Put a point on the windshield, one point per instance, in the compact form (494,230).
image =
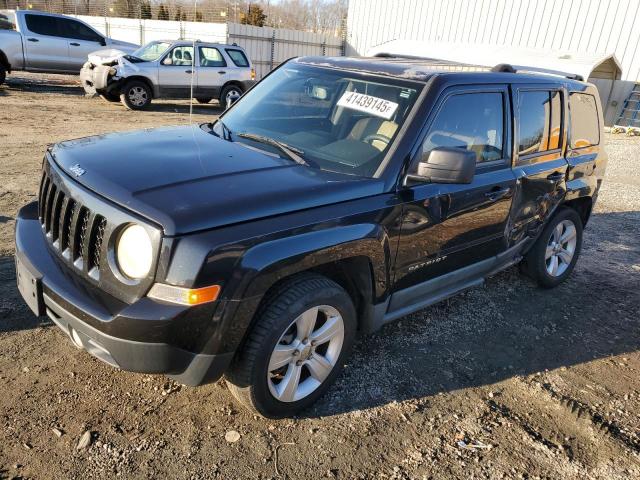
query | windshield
(334,120)
(151,51)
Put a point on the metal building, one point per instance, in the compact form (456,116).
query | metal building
(595,27)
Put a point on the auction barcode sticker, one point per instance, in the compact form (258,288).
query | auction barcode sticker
(368,104)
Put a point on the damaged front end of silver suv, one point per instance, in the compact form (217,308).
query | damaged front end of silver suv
(104,73)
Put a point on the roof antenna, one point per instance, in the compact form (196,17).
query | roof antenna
(193,65)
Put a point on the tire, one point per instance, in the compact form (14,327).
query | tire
(136,95)
(110,97)
(227,93)
(547,253)
(281,323)
(3,75)
(203,100)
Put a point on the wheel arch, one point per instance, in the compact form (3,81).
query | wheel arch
(583,207)
(236,83)
(4,61)
(143,79)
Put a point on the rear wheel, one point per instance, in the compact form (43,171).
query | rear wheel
(136,95)
(554,255)
(230,94)
(3,74)
(296,349)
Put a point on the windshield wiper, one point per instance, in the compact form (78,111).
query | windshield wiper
(291,152)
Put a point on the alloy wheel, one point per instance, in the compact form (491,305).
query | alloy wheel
(305,354)
(138,96)
(561,248)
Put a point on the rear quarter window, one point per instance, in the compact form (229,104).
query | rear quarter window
(583,118)
(238,57)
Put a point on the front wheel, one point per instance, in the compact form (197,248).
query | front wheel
(203,100)
(554,255)
(136,95)
(296,349)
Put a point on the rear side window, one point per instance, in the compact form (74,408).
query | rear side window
(42,25)
(472,121)
(238,57)
(585,126)
(79,31)
(7,21)
(540,122)
(211,57)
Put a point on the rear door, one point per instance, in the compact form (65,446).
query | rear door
(45,49)
(539,164)
(175,72)
(212,72)
(448,227)
(81,41)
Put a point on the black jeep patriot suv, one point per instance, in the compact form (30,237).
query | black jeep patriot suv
(335,196)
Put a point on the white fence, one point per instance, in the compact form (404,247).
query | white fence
(267,47)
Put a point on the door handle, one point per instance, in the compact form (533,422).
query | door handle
(188,71)
(222,72)
(33,39)
(75,44)
(555,176)
(497,194)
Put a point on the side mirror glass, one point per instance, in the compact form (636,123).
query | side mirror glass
(445,165)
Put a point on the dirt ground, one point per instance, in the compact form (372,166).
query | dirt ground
(503,381)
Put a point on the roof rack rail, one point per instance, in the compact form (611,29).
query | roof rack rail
(508,68)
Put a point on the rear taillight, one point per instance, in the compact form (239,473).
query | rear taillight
(253,74)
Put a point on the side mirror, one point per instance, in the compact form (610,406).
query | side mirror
(445,165)
(103,41)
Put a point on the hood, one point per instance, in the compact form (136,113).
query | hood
(108,55)
(187,180)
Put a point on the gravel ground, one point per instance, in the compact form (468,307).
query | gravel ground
(503,381)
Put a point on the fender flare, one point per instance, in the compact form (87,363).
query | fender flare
(267,263)
(4,62)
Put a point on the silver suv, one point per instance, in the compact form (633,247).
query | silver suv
(169,69)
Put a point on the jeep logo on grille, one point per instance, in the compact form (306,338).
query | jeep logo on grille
(77,170)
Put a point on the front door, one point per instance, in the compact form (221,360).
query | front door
(540,166)
(81,41)
(447,227)
(175,73)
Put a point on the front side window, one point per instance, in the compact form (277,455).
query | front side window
(211,57)
(238,57)
(42,25)
(539,122)
(470,121)
(179,56)
(334,119)
(76,30)
(585,126)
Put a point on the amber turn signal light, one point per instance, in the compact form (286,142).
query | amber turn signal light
(184,296)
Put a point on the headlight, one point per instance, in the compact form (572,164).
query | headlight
(134,252)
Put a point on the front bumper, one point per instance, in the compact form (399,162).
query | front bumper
(95,79)
(94,324)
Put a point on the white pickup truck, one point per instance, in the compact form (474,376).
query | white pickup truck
(46,42)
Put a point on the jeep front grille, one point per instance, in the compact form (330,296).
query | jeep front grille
(72,229)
